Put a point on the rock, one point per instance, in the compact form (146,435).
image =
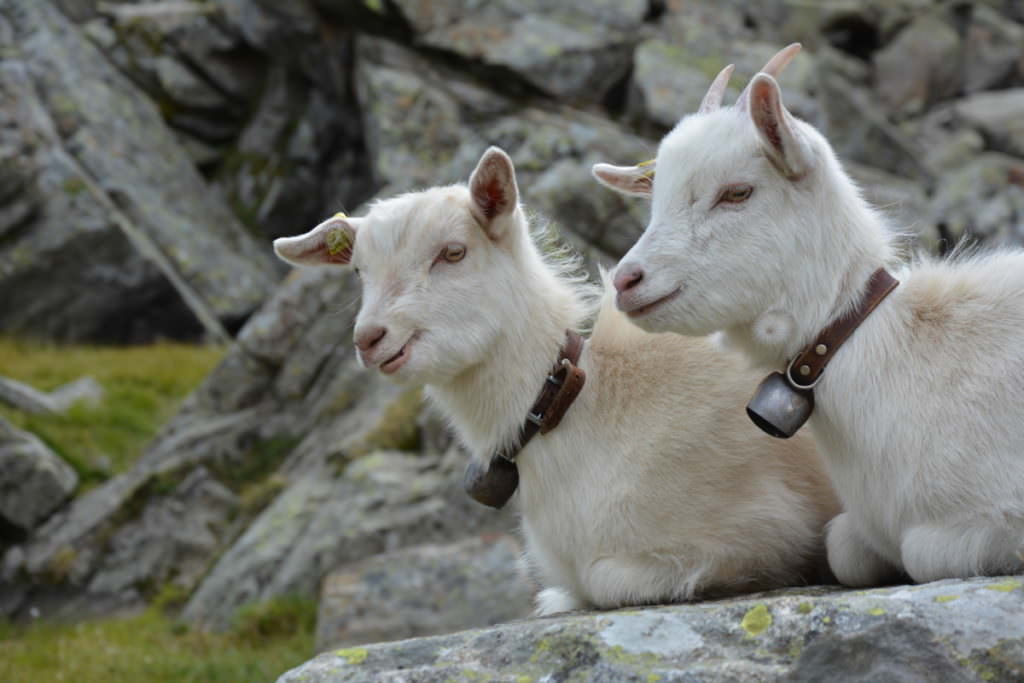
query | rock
(858,130)
(999,116)
(141,244)
(902,201)
(383,501)
(982,200)
(423,590)
(25,398)
(574,50)
(34,481)
(993,50)
(948,630)
(173,539)
(671,78)
(919,67)
(30,400)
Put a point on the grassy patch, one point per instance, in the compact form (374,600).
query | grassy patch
(154,648)
(144,386)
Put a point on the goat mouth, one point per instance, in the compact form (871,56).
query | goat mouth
(395,362)
(647,308)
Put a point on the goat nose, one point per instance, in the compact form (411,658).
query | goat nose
(628,276)
(367,338)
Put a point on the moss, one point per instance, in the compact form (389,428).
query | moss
(266,621)
(255,497)
(255,465)
(804,608)
(757,620)
(147,647)
(74,186)
(60,564)
(1005,586)
(143,385)
(876,611)
(397,428)
(353,655)
(170,597)
(946,598)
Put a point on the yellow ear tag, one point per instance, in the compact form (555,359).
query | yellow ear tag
(648,173)
(338,239)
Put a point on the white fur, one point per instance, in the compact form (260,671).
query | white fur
(920,416)
(654,487)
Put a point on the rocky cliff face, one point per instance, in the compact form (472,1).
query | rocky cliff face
(149,151)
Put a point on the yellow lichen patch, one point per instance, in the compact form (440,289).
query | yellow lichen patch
(826,620)
(353,655)
(876,611)
(757,620)
(946,598)
(524,679)
(1005,586)
(804,608)
(653,678)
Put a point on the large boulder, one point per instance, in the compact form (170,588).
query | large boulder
(424,590)
(97,189)
(34,481)
(949,630)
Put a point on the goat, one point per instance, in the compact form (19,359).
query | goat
(756,231)
(651,489)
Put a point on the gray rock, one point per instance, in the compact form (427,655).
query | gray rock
(147,236)
(671,78)
(384,501)
(999,116)
(575,50)
(993,49)
(919,67)
(982,200)
(34,481)
(423,590)
(949,630)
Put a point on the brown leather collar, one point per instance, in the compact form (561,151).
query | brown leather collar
(494,485)
(805,369)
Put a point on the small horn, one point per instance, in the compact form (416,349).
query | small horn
(713,99)
(773,68)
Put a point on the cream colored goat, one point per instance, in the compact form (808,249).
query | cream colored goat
(654,488)
(756,230)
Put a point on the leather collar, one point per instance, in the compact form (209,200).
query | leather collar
(805,369)
(494,484)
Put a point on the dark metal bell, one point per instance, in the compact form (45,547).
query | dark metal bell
(492,484)
(779,409)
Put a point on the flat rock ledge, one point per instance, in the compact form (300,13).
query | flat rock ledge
(971,630)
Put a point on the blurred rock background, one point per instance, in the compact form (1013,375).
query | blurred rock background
(150,151)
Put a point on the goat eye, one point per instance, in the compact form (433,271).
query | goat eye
(734,194)
(454,252)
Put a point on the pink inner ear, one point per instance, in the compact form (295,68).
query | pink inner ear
(490,197)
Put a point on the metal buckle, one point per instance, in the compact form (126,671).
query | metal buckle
(535,418)
(796,385)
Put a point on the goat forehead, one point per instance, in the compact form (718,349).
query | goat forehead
(706,149)
(403,227)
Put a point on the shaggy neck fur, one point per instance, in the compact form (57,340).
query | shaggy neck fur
(488,402)
(847,241)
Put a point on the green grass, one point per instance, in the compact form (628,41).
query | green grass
(144,386)
(267,640)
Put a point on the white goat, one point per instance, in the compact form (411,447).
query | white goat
(654,487)
(756,230)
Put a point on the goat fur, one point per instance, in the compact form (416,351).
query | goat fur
(920,415)
(654,487)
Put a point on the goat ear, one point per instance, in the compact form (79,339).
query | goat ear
(636,181)
(775,127)
(328,244)
(493,190)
